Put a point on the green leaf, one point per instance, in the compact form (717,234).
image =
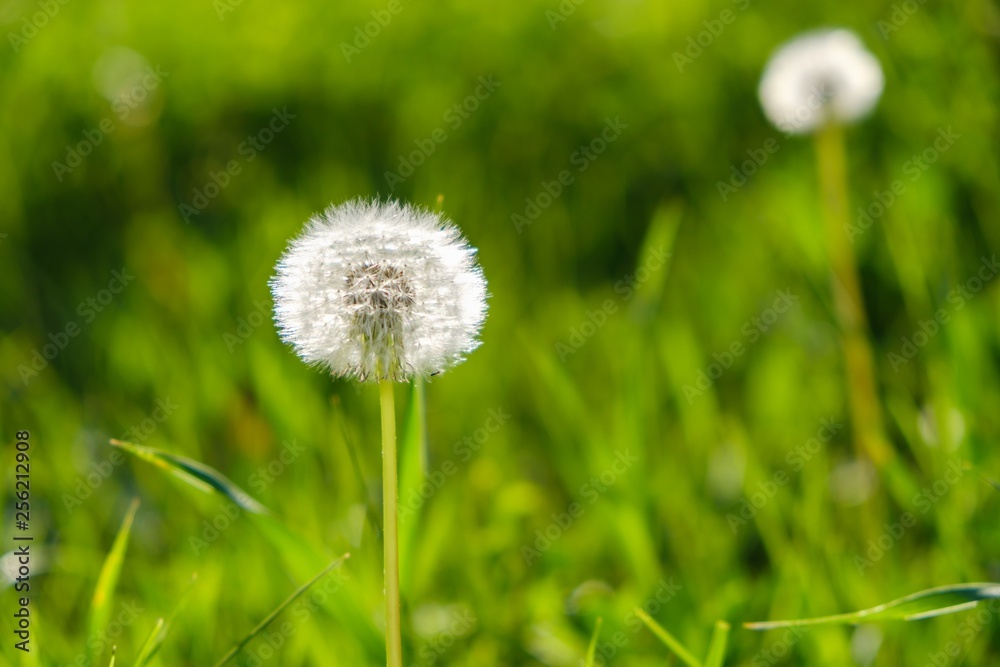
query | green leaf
(107,580)
(925,604)
(198,475)
(233,652)
(668,639)
(592,649)
(717,647)
(298,554)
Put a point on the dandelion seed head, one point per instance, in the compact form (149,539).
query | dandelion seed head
(376,291)
(819,77)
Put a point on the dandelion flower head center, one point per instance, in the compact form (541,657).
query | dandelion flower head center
(373,287)
(379,296)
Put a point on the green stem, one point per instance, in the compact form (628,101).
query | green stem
(668,639)
(390,529)
(862,393)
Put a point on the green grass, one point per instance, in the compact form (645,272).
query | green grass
(185,362)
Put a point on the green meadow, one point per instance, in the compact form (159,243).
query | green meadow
(657,431)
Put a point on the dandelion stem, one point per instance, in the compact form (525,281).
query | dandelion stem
(862,394)
(390,526)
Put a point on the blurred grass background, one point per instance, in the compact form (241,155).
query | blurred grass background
(193,328)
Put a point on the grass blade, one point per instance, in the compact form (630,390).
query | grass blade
(299,555)
(925,604)
(107,580)
(152,643)
(592,649)
(114,652)
(233,652)
(991,482)
(160,629)
(668,639)
(372,512)
(198,475)
(717,647)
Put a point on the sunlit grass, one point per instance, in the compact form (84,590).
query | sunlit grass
(266,472)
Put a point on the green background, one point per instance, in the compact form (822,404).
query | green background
(194,328)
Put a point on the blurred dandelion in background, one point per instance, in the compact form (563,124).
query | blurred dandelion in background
(816,83)
(817,78)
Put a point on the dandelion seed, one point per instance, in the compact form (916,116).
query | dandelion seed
(819,77)
(380,291)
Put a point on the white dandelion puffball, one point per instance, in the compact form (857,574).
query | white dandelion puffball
(380,291)
(820,77)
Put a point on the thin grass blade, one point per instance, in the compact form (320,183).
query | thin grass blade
(991,482)
(925,604)
(668,639)
(659,243)
(194,473)
(717,647)
(160,629)
(152,643)
(107,580)
(372,512)
(592,648)
(233,652)
(299,554)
